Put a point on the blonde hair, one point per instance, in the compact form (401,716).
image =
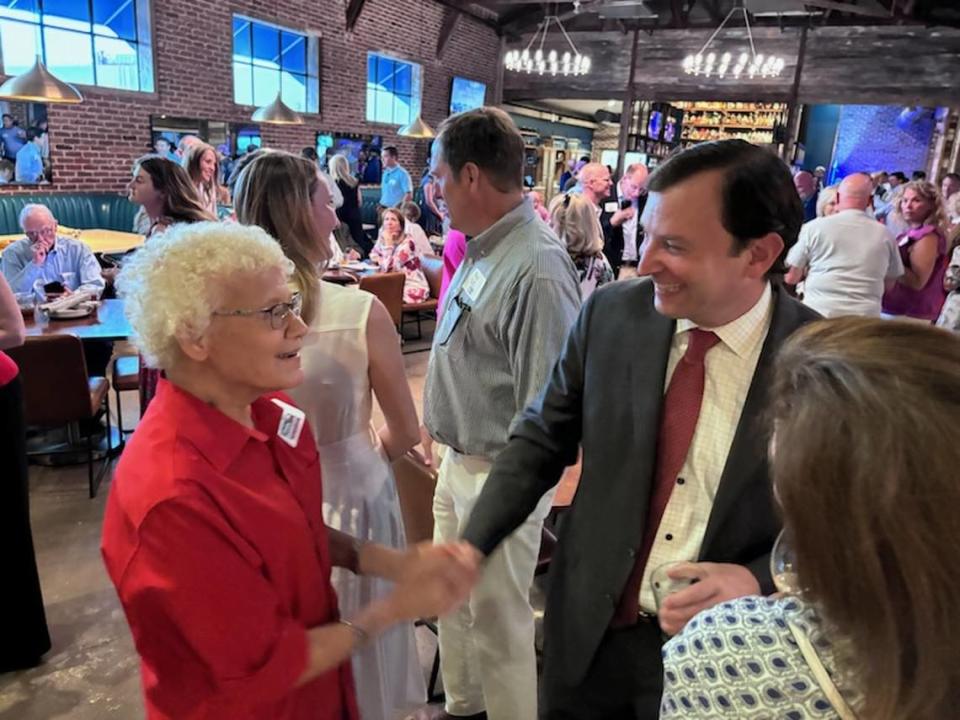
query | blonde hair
(193,158)
(864,464)
(275,191)
(827,195)
(340,170)
(171,284)
(574,219)
(927,191)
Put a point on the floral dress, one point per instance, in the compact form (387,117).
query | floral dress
(950,313)
(403,257)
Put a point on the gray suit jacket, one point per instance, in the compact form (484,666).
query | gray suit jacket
(605,393)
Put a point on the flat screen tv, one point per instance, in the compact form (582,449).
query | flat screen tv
(466,95)
(362,151)
(655,124)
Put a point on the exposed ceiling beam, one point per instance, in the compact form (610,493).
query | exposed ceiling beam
(464,7)
(354,8)
(451,18)
(676,7)
(848,7)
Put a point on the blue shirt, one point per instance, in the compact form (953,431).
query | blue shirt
(29,164)
(13,138)
(394,185)
(67,256)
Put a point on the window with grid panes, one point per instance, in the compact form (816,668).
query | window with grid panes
(393,90)
(87,42)
(268,59)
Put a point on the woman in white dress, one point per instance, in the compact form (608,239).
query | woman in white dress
(351,349)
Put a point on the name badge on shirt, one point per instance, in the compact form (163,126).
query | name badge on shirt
(474,283)
(291,423)
(610,207)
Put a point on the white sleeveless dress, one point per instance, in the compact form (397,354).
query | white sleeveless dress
(359,491)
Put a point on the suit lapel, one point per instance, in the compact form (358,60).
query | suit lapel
(748,451)
(647,369)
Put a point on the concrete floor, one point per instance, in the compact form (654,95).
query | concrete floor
(92,671)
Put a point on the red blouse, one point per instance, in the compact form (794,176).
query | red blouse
(8,369)
(214,539)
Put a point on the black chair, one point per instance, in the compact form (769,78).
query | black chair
(57,391)
(125,377)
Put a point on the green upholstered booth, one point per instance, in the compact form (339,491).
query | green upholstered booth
(107,211)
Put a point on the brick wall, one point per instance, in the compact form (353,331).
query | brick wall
(92,144)
(869,139)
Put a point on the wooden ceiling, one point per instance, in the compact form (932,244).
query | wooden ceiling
(836,51)
(518,17)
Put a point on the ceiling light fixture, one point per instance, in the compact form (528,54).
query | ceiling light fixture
(751,64)
(572,62)
(40,85)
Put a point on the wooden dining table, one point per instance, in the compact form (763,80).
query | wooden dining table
(99,241)
(108,322)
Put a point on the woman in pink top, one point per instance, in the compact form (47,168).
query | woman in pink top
(919,293)
(454,250)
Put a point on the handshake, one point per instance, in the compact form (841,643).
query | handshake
(433,580)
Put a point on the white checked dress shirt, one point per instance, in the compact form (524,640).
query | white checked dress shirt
(729,368)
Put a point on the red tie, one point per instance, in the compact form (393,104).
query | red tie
(681,410)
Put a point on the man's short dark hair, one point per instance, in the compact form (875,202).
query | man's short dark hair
(757,191)
(6,115)
(488,138)
(6,166)
(919,175)
(952,176)
(899,176)
(33,134)
(310,154)
(391,151)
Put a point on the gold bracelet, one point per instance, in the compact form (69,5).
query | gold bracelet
(361,636)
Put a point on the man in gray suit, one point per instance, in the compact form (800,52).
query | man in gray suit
(662,382)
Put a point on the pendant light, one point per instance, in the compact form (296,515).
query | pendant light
(417,129)
(277,113)
(40,85)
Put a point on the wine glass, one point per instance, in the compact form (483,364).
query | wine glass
(783,565)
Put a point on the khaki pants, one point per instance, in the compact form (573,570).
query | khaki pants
(487,654)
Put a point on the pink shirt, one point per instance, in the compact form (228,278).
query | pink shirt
(454,250)
(924,304)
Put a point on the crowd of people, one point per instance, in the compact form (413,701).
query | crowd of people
(732,355)
(24,154)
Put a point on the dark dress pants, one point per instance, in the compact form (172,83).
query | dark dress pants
(624,682)
(23,624)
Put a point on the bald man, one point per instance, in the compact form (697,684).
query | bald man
(806,185)
(848,258)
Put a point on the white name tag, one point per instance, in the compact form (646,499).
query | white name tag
(291,423)
(474,283)
(610,207)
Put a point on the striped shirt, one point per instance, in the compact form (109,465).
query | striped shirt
(503,323)
(729,368)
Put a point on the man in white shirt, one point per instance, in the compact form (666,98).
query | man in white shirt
(633,189)
(848,257)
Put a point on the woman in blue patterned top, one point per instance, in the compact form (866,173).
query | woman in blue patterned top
(864,462)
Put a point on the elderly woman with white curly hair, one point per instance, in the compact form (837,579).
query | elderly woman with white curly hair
(213,534)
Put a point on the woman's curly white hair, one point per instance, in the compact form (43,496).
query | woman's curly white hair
(171,284)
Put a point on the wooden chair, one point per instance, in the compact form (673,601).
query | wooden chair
(432,267)
(415,486)
(388,288)
(57,391)
(125,377)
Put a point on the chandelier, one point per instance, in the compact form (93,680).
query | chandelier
(547,63)
(752,64)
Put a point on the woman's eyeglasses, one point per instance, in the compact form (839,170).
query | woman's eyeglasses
(276,314)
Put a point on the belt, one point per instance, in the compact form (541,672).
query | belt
(643,618)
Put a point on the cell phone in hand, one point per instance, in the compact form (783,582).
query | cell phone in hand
(54,288)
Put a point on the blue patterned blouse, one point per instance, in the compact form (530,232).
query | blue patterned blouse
(740,660)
